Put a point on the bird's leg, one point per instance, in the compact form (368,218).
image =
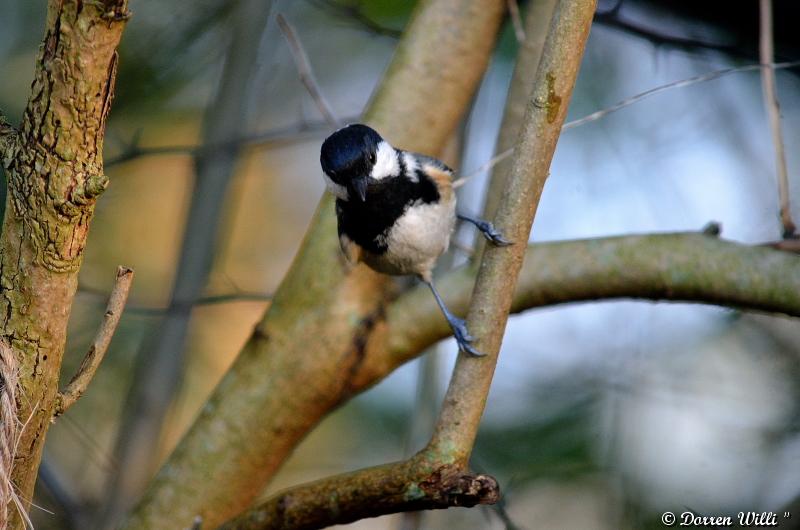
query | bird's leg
(488,230)
(459,327)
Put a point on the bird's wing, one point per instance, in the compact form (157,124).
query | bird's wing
(425,160)
(440,173)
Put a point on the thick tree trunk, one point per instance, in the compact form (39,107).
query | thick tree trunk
(54,170)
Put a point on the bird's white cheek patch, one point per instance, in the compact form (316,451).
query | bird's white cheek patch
(386,164)
(337,189)
(411,167)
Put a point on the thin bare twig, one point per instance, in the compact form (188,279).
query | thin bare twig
(305,72)
(594,116)
(80,381)
(516,20)
(770,91)
(240,296)
(280,135)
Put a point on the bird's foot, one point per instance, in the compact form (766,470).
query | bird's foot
(463,338)
(492,234)
(487,229)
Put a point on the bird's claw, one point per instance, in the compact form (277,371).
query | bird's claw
(492,234)
(463,338)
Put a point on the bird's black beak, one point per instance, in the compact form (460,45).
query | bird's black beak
(359,188)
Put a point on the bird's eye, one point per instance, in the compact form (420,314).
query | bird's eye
(372,158)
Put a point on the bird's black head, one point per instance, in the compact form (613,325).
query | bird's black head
(347,157)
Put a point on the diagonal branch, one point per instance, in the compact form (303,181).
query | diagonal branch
(494,287)
(116,305)
(162,354)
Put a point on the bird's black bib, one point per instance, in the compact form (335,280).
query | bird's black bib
(367,223)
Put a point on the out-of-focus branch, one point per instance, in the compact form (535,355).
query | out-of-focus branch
(494,286)
(516,20)
(161,356)
(613,19)
(354,13)
(306,73)
(417,484)
(315,326)
(131,308)
(678,267)
(91,362)
(293,133)
(770,91)
(537,20)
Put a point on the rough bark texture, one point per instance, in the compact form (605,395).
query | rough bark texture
(418,484)
(314,328)
(55,174)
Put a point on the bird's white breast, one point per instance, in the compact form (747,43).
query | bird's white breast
(419,237)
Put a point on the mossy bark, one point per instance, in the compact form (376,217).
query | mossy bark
(54,171)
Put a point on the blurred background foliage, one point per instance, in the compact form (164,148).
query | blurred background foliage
(602,415)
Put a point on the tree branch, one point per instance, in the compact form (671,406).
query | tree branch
(416,484)
(161,357)
(537,20)
(679,267)
(558,67)
(770,91)
(91,362)
(54,171)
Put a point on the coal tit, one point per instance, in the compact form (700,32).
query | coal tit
(396,209)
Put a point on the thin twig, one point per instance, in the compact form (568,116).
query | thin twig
(80,381)
(516,20)
(770,91)
(305,72)
(293,133)
(594,116)
(242,296)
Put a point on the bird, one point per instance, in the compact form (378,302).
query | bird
(396,210)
